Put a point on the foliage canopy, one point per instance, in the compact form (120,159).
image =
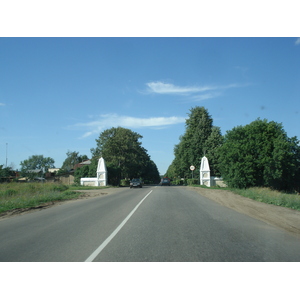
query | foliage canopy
(72,159)
(5,172)
(124,155)
(200,138)
(36,162)
(260,154)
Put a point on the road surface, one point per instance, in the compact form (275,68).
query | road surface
(152,223)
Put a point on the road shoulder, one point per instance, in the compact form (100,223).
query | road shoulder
(282,217)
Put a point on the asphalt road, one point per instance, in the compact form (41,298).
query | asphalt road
(155,223)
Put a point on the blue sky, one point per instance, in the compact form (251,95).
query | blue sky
(59,94)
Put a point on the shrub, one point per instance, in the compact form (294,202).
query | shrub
(193,181)
(177,182)
(125,182)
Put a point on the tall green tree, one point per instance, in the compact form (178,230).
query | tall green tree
(151,173)
(122,150)
(200,138)
(212,144)
(260,154)
(36,162)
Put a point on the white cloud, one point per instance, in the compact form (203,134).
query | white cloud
(114,120)
(193,93)
(297,41)
(168,88)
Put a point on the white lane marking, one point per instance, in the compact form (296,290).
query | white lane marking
(105,243)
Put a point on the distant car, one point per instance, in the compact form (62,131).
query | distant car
(166,181)
(135,182)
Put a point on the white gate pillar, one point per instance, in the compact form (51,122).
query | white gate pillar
(205,172)
(101,173)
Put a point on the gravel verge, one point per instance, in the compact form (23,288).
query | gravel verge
(282,217)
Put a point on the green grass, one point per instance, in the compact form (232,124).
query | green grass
(25,195)
(269,196)
(265,195)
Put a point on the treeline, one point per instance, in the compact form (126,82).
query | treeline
(258,154)
(122,150)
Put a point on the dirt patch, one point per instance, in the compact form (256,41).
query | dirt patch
(85,194)
(281,217)
(19,211)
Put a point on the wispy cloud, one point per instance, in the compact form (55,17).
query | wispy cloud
(192,93)
(297,41)
(2,104)
(114,120)
(168,88)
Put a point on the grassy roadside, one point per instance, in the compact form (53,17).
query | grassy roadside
(269,196)
(25,195)
(265,195)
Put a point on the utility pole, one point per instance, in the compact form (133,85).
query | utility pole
(6,154)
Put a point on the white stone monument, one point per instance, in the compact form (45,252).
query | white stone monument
(101,179)
(101,172)
(205,172)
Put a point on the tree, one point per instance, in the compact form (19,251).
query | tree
(200,138)
(34,163)
(72,159)
(122,150)
(212,144)
(5,172)
(151,173)
(260,154)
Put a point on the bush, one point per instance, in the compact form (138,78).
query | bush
(81,173)
(192,181)
(124,182)
(177,182)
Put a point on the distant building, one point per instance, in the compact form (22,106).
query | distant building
(82,164)
(53,170)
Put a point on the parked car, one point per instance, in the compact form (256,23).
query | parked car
(135,182)
(166,181)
